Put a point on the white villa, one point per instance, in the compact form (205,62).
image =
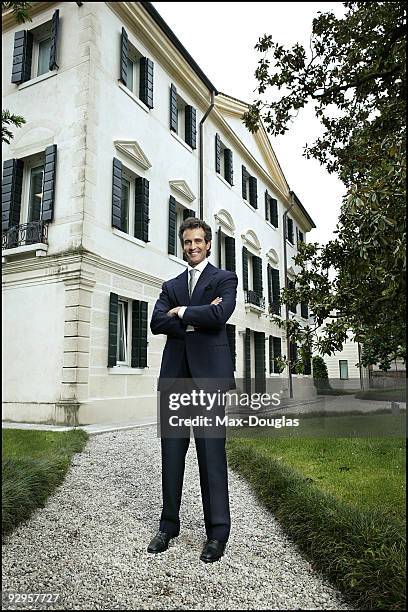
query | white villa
(125,137)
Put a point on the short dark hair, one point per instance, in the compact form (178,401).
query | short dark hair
(194,223)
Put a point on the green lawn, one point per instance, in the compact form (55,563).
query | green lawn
(366,473)
(34,463)
(342,501)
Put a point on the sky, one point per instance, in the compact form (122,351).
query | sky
(221,36)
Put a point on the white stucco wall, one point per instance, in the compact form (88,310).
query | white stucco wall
(32,346)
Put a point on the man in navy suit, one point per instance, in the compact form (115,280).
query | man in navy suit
(192,311)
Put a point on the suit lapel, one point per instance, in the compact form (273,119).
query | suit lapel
(181,289)
(181,286)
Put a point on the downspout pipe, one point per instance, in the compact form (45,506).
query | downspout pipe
(201,153)
(285,268)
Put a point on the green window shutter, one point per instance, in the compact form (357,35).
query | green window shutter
(247,361)
(275,280)
(267,215)
(172,226)
(54,41)
(230,253)
(229,170)
(230,329)
(173,108)
(113,329)
(48,194)
(219,245)
(191,126)
(260,384)
(11,193)
(253,192)
(146,81)
(188,212)
(257,264)
(269,277)
(244,180)
(289,226)
(22,56)
(142,209)
(293,356)
(274,212)
(293,305)
(271,368)
(245,267)
(139,334)
(277,353)
(124,52)
(217,153)
(304,310)
(117,194)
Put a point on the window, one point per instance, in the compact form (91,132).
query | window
(136,71)
(133,70)
(44,48)
(130,202)
(124,324)
(249,188)
(127,197)
(252,278)
(301,237)
(271,209)
(183,118)
(289,230)
(293,306)
(127,344)
(223,160)
(226,251)
(343,365)
(274,290)
(35,51)
(275,353)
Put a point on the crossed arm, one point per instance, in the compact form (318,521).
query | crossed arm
(214,315)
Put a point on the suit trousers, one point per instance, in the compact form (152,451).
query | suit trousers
(212,463)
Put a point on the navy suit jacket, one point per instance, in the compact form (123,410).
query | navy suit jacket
(208,352)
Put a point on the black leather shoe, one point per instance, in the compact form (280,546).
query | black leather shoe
(212,551)
(159,543)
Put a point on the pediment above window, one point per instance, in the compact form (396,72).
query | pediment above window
(180,187)
(225,221)
(134,151)
(250,240)
(291,273)
(273,256)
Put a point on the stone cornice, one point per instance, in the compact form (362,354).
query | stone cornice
(227,105)
(67,267)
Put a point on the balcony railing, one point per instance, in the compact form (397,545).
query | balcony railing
(27,233)
(251,297)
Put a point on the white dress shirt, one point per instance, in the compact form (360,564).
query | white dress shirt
(198,268)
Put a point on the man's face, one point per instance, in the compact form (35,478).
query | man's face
(194,245)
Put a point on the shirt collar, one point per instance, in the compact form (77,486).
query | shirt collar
(200,267)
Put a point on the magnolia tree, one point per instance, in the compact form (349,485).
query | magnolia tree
(355,77)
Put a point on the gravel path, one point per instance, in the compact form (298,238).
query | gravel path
(89,542)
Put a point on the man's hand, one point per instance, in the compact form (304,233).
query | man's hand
(173,312)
